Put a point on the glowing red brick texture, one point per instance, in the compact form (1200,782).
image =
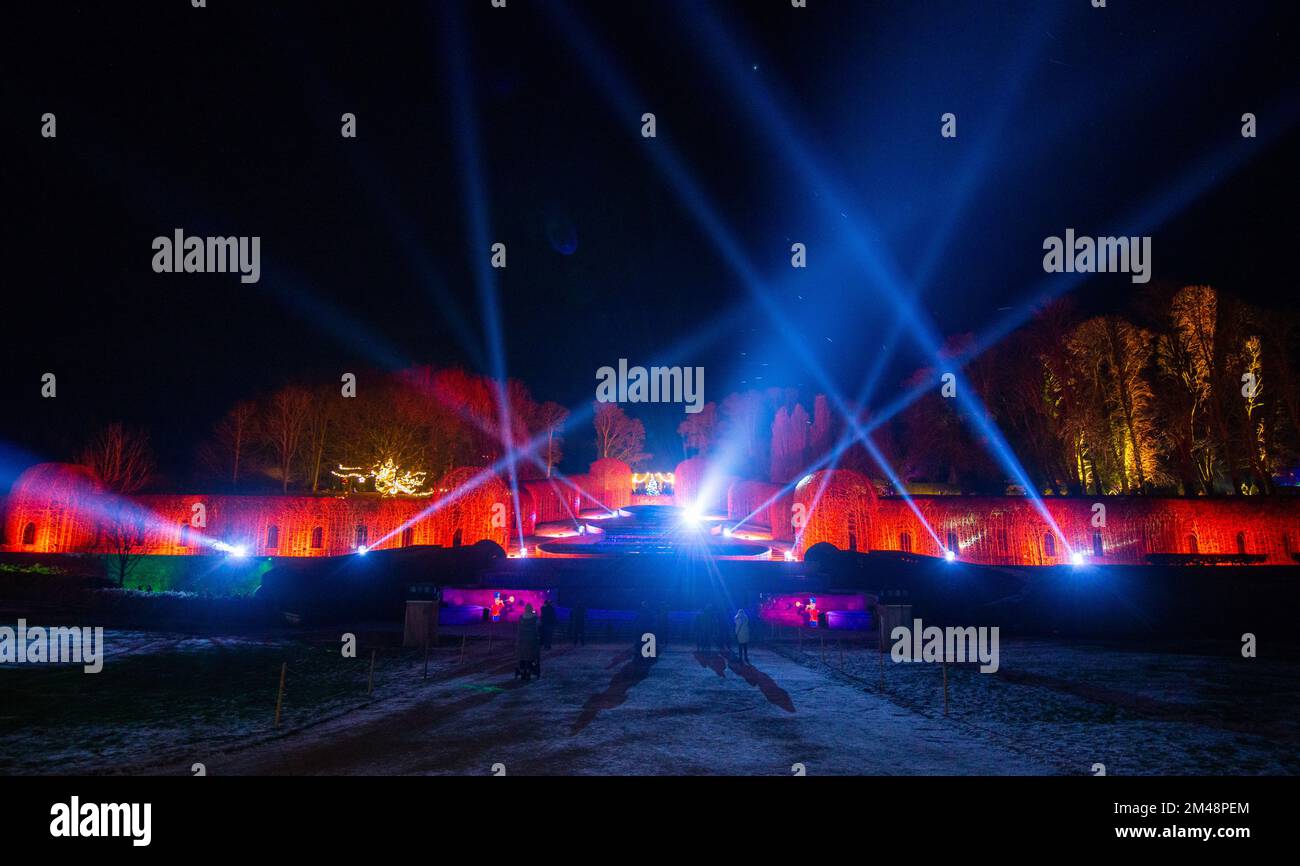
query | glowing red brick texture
(1012,531)
(60,508)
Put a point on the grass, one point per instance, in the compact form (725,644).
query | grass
(201,697)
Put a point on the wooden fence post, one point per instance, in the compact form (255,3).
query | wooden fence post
(279,697)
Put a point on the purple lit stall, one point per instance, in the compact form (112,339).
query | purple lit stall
(839,611)
(468,606)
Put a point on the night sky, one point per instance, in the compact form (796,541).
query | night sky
(775,125)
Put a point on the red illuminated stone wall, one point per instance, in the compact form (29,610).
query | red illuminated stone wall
(68,513)
(1013,531)
(47,506)
(475,506)
(57,508)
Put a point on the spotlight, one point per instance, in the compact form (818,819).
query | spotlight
(950,555)
(239,551)
(692,516)
(523,552)
(1076,559)
(789,556)
(362,550)
(726,531)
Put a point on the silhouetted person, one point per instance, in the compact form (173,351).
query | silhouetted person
(546,628)
(742,636)
(578,624)
(526,645)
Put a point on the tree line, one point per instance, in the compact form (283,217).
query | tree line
(1194,392)
(418,422)
(1190,392)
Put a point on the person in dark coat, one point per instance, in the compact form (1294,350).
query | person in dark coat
(526,642)
(578,624)
(546,627)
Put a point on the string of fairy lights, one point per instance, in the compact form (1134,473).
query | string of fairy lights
(388,478)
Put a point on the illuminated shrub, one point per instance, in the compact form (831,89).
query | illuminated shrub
(754,502)
(527,506)
(699,485)
(552,499)
(836,507)
(474,506)
(610,482)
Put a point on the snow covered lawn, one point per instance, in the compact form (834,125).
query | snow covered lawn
(164,702)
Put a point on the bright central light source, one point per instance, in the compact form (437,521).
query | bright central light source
(726,531)
(1076,559)
(789,556)
(239,551)
(692,516)
(950,555)
(523,551)
(362,550)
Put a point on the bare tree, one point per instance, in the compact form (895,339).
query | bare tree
(321,431)
(618,435)
(283,428)
(698,430)
(550,419)
(228,450)
(123,537)
(120,457)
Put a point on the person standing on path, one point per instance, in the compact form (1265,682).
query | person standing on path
(526,644)
(742,636)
